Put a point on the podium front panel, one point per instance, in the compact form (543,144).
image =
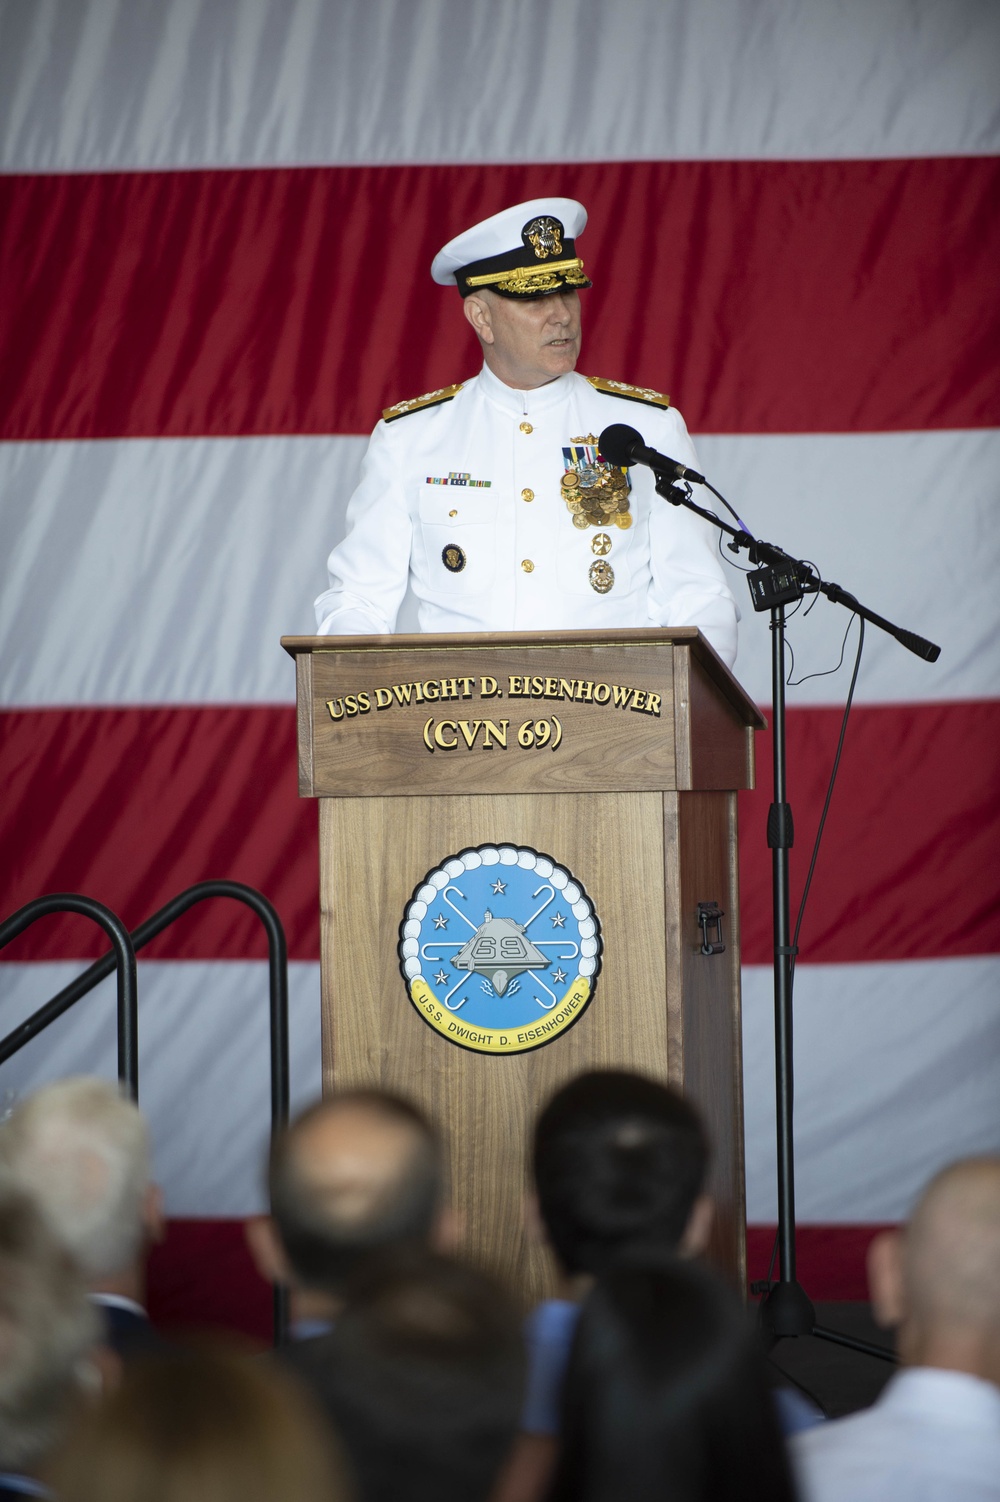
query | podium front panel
(628,851)
(607,762)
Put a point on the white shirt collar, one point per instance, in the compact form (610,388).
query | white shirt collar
(118,1301)
(526,403)
(966,1401)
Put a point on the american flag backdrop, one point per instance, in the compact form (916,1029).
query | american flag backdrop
(218,218)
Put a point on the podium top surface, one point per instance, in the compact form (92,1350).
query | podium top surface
(652,636)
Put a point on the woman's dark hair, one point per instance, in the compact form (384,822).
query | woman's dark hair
(666,1397)
(619,1161)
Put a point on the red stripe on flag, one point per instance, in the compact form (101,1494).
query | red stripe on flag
(131,805)
(202,1276)
(908,866)
(766,296)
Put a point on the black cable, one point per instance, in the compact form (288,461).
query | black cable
(791,682)
(829,795)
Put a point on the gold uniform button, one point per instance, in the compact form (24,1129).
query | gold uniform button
(527,565)
(526,427)
(527,495)
(452,513)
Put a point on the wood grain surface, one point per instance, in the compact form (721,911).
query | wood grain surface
(384,752)
(373,856)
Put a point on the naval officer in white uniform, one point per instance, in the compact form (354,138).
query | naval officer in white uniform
(490,497)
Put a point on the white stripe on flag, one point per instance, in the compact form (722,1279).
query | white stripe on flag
(101,86)
(897,1065)
(204,1079)
(165,570)
(897,1072)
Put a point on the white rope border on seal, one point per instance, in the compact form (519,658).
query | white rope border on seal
(500,855)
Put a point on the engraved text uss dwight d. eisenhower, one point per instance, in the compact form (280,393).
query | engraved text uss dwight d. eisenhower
(519,686)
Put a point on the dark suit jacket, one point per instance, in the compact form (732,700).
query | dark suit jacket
(129,1333)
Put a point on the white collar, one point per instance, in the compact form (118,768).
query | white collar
(933,1392)
(526,403)
(118,1301)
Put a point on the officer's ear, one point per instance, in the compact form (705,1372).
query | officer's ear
(477,311)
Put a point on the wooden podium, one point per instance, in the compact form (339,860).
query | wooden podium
(615,756)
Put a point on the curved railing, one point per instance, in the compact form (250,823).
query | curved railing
(122,958)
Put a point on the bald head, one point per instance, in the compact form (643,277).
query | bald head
(951,1249)
(352,1175)
(938,1280)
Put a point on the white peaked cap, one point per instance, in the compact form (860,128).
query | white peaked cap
(503,240)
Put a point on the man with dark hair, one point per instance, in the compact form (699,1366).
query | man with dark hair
(353,1174)
(422,1376)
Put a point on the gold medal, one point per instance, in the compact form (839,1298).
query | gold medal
(600,544)
(623,520)
(596,492)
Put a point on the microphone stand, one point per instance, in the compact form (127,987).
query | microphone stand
(779,580)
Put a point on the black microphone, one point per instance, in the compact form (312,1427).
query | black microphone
(622,445)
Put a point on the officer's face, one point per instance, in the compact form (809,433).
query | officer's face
(527,342)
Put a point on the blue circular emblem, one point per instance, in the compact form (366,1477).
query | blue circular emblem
(500,949)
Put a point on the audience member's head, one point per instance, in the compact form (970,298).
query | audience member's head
(48,1327)
(354,1174)
(81,1149)
(620,1164)
(938,1280)
(206,1425)
(423,1376)
(666,1396)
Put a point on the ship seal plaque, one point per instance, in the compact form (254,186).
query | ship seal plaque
(500,949)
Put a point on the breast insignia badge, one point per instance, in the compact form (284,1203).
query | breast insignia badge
(601,575)
(453,557)
(595,492)
(500,949)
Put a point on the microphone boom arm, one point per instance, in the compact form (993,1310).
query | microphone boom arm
(801,577)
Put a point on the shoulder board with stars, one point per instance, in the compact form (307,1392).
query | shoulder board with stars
(630,393)
(416,403)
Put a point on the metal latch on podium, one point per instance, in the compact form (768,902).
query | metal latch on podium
(710,917)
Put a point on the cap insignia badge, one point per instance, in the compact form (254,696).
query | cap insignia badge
(544,236)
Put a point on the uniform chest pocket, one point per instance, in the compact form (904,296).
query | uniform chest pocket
(458,528)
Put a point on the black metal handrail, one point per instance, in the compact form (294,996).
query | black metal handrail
(126,946)
(121,959)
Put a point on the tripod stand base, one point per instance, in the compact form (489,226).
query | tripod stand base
(787,1311)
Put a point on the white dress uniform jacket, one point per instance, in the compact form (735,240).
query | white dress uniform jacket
(482,472)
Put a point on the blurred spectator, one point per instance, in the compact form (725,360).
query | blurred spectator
(620,1164)
(205,1426)
(81,1149)
(48,1329)
(666,1396)
(934,1432)
(353,1174)
(423,1376)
